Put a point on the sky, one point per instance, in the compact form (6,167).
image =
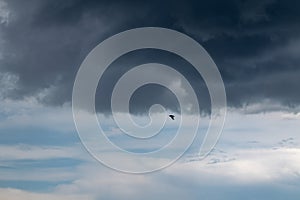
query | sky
(254,44)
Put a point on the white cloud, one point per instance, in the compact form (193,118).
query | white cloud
(291,116)
(17,152)
(15,194)
(4,13)
(7,81)
(189,180)
(29,113)
(12,156)
(259,165)
(251,168)
(259,150)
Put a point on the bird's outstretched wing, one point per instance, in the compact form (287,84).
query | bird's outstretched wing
(172,117)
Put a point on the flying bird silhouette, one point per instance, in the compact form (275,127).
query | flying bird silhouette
(172,117)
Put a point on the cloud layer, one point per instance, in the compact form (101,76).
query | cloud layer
(254,44)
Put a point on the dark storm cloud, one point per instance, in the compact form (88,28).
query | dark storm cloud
(254,44)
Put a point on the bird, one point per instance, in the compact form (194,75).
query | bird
(172,117)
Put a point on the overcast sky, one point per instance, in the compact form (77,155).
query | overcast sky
(255,45)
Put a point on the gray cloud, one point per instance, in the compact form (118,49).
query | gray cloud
(254,44)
